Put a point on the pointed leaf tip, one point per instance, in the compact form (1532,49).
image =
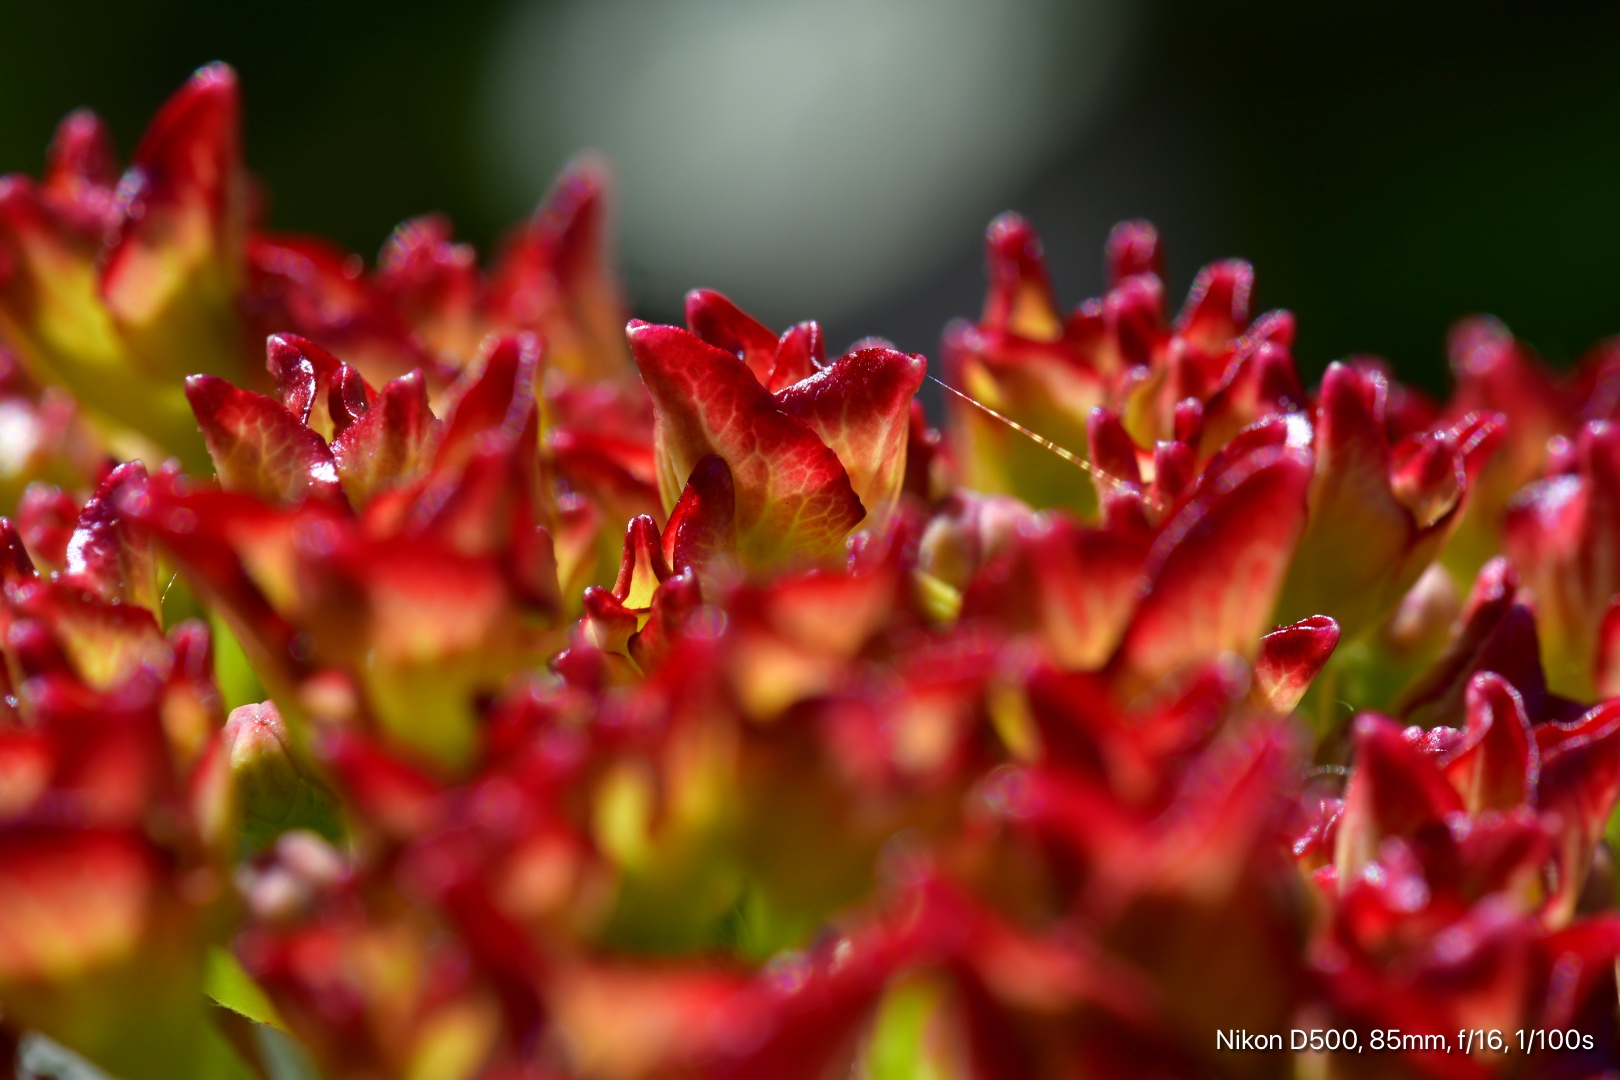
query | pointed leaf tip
(1020,299)
(109,553)
(1394,790)
(302,370)
(1216,567)
(1497,764)
(260,448)
(642,566)
(1217,308)
(1133,248)
(794,498)
(387,447)
(701,533)
(170,275)
(571,221)
(1290,659)
(860,406)
(714,318)
(81,158)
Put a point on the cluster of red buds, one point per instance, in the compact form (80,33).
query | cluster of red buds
(480,687)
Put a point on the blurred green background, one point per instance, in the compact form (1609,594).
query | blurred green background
(1387,167)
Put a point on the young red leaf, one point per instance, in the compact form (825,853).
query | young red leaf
(52,315)
(325,394)
(1217,307)
(1580,781)
(860,406)
(1133,248)
(72,900)
(170,276)
(1563,534)
(715,319)
(1496,633)
(701,533)
(1112,450)
(81,172)
(238,556)
(1020,298)
(390,794)
(1290,658)
(557,276)
(1606,664)
(260,448)
(1216,567)
(1496,765)
(1394,790)
(314,288)
(386,447)
(432,283)
(303,372)
(643,565)
(1073,586)
(1364,545)
(104,643)
(108,553)
(678,597)
(794,498)
(46,517)
(801,352)
(607,623)
(493,398)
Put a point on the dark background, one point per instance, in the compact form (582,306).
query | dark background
(1387,166)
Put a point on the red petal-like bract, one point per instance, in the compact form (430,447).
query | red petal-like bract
(715,319)
(1562,532)
(1394,517)
(859,405)
(1290,658)
(387,446)
(108,554)
(1215,568)
(171,273)
(1394,791)
(794,497)
(556,276)
(702,528)
(258,447)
